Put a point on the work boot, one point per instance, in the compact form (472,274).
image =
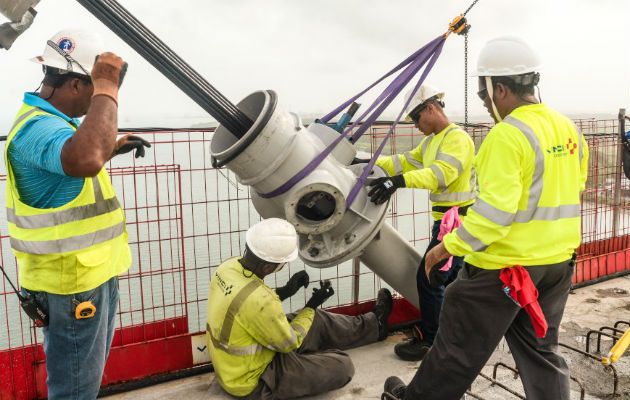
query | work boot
(413,349)
(394,389)
(382,309)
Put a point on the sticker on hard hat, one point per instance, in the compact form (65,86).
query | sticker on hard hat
(66,44)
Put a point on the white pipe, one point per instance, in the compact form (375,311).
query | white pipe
(275,149)
(394,260)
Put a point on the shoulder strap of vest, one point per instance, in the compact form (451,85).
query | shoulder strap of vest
(233,309)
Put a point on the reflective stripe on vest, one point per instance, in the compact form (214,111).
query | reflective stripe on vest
(99,207)
(412,160)
(55,218)
(533,211)
(445,194)
(397,165)
(425,144)
(234,350)
(436,170)
(398,169)
(24,116)
(474,243)
(449,159)
(439,175)
(73,243)
(226,328)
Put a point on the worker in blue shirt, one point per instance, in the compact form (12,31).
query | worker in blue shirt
(66,224)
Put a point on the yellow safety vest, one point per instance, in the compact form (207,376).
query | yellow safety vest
(72,248)
(442,163)
(246,327)
(532,167)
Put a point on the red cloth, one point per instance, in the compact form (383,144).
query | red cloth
(518,285)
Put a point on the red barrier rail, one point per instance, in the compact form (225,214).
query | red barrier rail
(184,217)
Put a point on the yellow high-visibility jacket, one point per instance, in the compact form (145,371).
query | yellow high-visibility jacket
(442,163)
(532,167)
(72,248)
(246,327)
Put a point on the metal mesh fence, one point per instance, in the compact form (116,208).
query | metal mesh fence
(184,217)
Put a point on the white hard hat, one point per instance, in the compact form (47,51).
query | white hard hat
(505,56)
(424,93)
(274,240)
(72,51)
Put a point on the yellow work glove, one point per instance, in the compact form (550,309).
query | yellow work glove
(107,75)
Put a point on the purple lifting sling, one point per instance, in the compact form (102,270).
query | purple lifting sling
(412,65)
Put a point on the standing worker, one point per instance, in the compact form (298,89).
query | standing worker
(532,167)
(257,351)
(442,163)
(66,224)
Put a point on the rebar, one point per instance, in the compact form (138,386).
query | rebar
(610,367)
(474,395)
(500,364)
(502,386)
(151,48)
(621,323)
(580,384)
(599,338)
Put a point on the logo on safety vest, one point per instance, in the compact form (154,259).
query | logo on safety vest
(66,44)
(226,289)
(563,150)
(571,146)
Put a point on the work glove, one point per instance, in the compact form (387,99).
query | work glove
(437,278)
(107,75)
(298,280)
(383,188)
(129,142)
(320,295)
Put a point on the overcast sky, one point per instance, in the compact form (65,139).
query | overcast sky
(316,54)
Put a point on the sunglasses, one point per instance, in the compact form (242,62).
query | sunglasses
(483,94)
(415,114)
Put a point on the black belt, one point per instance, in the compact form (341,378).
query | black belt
(461,211)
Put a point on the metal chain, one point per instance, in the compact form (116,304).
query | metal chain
(471,6)
(466,80)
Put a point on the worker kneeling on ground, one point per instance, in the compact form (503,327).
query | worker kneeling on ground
(519,240)
(442,163)
(257,351)
(66,224)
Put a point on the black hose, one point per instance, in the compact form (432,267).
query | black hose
(158,54)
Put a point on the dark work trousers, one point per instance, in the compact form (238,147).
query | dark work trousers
(431,298)
(476,314)
(319,365)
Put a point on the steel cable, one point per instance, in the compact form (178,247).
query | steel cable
(158,54)
(133,22)
(184,69)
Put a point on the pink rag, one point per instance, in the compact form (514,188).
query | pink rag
(450,221)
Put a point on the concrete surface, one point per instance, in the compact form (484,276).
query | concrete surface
(588,308)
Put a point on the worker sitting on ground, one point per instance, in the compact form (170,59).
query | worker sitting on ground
(519,240)
(442,163)
(66,224)
(257,351)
